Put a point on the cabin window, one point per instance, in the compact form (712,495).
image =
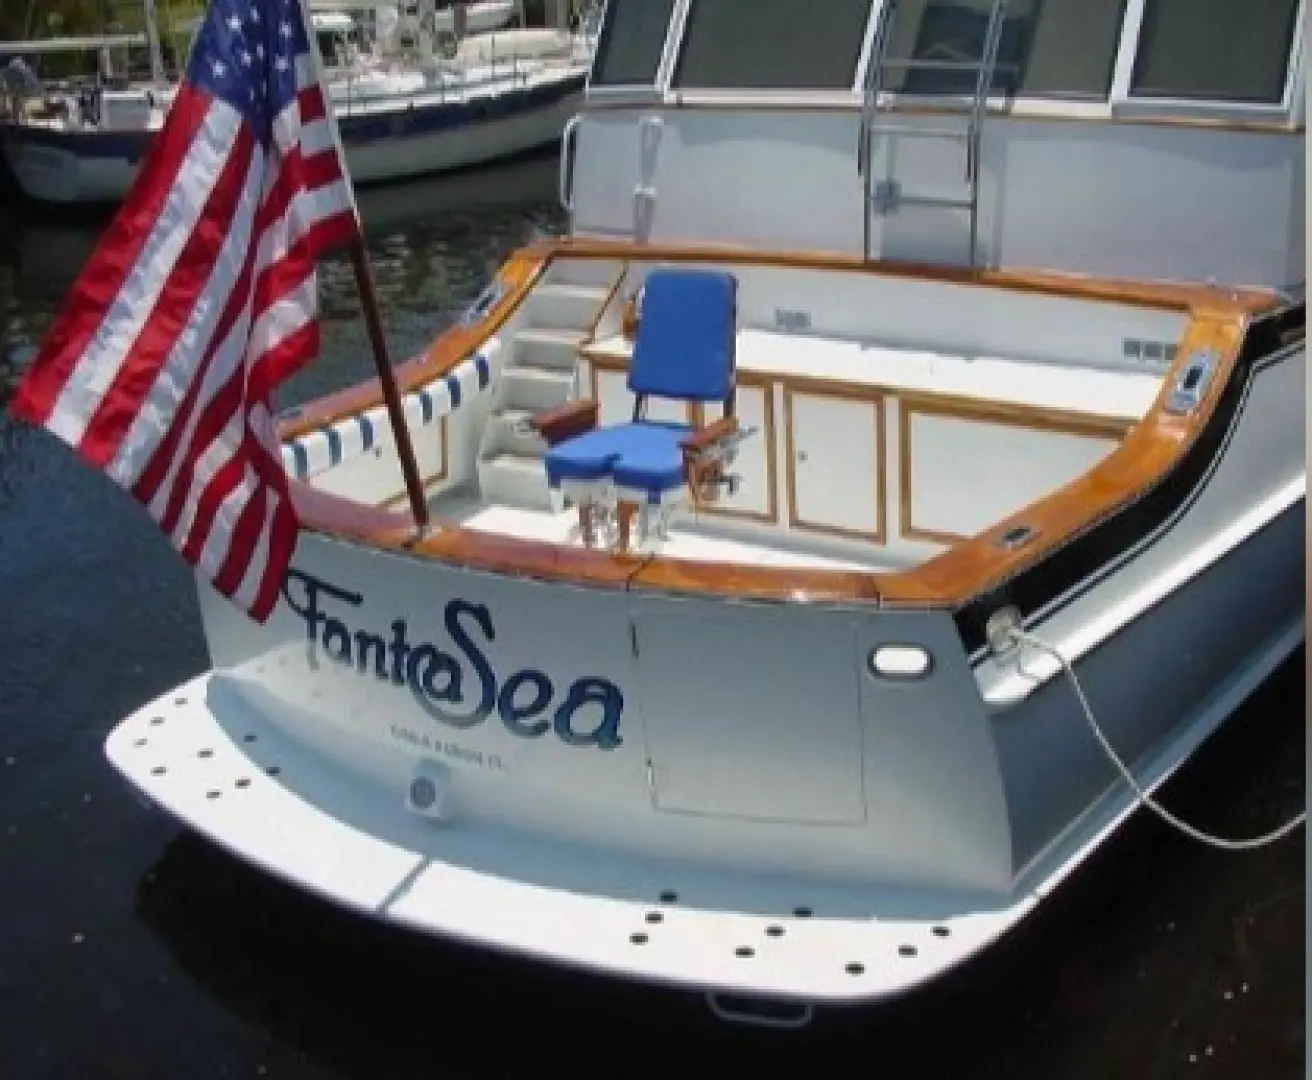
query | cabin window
(1048,48)
(631,42)
(1219,50)
(772,44)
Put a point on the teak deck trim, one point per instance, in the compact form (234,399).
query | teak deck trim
(1219,319)
(519,274)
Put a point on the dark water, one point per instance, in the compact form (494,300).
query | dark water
(129,949)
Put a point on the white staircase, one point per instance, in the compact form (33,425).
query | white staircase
(540,373)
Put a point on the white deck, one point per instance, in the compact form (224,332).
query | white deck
(203,756)
(690,539)
(200,753)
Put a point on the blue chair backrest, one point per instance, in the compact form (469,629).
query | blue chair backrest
(686,334)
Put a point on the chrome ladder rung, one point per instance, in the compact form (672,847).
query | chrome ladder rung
(946,201)
(919,132)
(916,63)
(984,68)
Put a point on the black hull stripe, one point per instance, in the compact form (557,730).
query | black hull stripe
(1062,572)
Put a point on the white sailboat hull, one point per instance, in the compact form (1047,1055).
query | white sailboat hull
(62,167)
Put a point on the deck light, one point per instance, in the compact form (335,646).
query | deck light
(901,662)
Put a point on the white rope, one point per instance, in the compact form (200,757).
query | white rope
(1250,844)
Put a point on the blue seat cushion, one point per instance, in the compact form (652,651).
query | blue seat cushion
(644,456)
(686,336)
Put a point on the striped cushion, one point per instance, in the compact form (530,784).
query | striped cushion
(315,451)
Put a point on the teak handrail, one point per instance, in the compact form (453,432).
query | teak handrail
(1219,319)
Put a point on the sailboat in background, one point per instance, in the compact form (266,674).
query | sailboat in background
(415,92)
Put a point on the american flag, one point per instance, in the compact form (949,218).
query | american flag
(201,298)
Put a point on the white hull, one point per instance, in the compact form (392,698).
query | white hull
(624,786)
(58,171)
(479,143)
(668,921)
(326,829)
(482,16)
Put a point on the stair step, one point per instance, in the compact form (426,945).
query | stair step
(535,387)
(564,305)
(895,130)
(600,272)
(511,437)
(514,479)
(545,347)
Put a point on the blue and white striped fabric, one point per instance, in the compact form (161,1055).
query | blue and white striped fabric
(312,453)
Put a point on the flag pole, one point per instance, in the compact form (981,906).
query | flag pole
(405,450)
(364,283)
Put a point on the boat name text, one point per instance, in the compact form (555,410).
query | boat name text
(588,716)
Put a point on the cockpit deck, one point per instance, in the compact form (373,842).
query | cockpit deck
(695,538)
(886,416)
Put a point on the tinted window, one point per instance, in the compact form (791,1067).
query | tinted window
(772,44)
(1061,48)
(631,42)
(1225,50)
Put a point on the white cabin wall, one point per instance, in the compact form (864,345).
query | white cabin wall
(1157,201)
(784,180)
(1163,201)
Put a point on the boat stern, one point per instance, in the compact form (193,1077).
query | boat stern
(642,783)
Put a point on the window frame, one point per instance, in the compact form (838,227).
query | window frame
(621,93)
(851,97)
(1024,105)
(1125,103)
(1118,104)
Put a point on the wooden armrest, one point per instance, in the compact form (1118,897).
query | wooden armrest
(708,436)
(565,421)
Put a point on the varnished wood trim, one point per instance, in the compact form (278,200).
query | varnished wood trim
(597,364)
(906,528)
(676,102)
(1171,296)
(333,515)
(1002,412)
(428,482)
(1013,414)
(615,286)
(618,367)
(1057,421)
(454,545)
(436,478)
(1149,450)
(519,275)
(769,434)
(1135,119)
(859,396)
(947,580)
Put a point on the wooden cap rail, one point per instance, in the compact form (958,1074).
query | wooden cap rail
(1219,318)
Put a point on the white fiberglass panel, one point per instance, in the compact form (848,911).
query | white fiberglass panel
(750,712)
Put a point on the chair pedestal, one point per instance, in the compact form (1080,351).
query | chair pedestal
(624,522)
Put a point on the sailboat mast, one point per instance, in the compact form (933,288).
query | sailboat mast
(152,42)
